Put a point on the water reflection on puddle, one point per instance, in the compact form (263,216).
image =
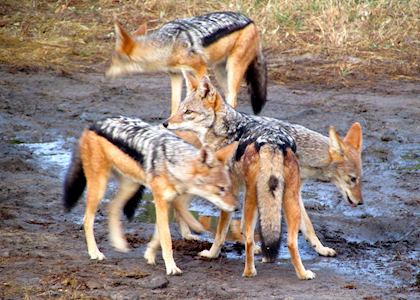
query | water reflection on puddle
(54,155)
(51,154)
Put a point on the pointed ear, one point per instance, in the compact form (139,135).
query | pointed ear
(336,145)
(206,155)
(354,136)
(208,94)
(205,87)
(226,153)
(191,81)
(141,30)
(124,42)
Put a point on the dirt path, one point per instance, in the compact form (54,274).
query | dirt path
(43,253)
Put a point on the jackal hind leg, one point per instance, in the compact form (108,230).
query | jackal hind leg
(293,218)
(220,73)
(236,65)
(126,190)
(250,216)
(96,186)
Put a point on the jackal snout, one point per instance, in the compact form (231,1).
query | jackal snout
(346,156)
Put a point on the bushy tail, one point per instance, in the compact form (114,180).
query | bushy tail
(256,78)
(132,203)
(270,188)
(75,181)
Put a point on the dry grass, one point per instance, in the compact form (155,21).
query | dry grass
(329,42)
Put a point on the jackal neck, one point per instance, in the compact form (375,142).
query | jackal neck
(151,55)
(231,125)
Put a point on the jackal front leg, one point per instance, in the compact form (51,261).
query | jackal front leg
(186,220)
(309,233)
(160,189)
(220,237)
(176,87)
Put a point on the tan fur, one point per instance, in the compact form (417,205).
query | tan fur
(345,163)
(237,50)
(99,156)
(327,159)
(251,171)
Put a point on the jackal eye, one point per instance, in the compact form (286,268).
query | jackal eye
(188,112)
(353,179)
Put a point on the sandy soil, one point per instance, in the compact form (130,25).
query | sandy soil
(43,253)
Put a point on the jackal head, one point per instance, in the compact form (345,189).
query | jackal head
(198,111)
(129,53)
(346,163)
(211,176)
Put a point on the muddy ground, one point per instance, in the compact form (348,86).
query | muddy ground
(42,250)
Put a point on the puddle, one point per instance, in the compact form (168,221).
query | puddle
(318,196)
(50,155)
(407,157)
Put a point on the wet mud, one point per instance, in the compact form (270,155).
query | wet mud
(42,249)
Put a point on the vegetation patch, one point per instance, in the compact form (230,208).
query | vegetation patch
(334,43)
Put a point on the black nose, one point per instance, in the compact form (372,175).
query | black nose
(360,203)
(165,124)
(237,209)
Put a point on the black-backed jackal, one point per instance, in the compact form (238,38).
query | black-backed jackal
(143,155)
(227,41)
(265,163)
(330,159)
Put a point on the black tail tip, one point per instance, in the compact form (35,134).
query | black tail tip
(270,252)
(132,203)
(67,205)
(257,105)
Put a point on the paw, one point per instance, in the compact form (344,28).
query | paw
(96,255)
(121,246)
(249,272)
(268,260)
(325,251)
(191,237)
(307,275)
(257,249)
(199,228)
(207,254)
(173,270)
(150,256)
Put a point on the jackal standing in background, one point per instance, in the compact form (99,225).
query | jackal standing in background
(228,41)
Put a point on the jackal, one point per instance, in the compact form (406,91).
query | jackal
(265,163)
(228,41)
(331,159)
(143,155)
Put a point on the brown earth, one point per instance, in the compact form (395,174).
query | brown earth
(43,253)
